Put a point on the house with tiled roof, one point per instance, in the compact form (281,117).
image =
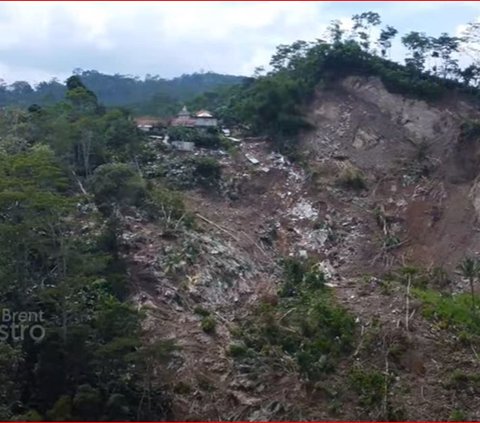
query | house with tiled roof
(201,119)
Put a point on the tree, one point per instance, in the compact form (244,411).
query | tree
(335,32)
(385,40)
(444,47)
(362,27)
(418,44)
(471,75)
(115,185)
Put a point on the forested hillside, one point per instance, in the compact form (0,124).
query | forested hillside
(151,95)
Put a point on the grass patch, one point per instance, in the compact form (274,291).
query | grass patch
(450,311)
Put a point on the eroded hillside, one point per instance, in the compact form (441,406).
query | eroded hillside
(380,211)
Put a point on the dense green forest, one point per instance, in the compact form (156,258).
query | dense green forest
(151,95)
(59,259)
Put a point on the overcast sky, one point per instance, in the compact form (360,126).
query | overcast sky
(41,40)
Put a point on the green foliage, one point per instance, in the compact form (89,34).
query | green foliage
(204,138)
(201,311)
(458,416)
(238,349)
(307,324)
(299,275)
(461,381)
(60,259)
(167,205)
(61,410)
(450,311)
(207,169)
(208,324)
(152,95)
(116,185)
(369,385)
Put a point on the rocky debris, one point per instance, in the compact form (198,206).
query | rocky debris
(303,210)
(364,139)
(278,208)
(183,145)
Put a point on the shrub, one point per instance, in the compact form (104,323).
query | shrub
(369,385)
(208,324)
(298,275)
(458,416)
(205,138)
(207,168)
(352,178)
(201,311)
(167,205)
(238,349)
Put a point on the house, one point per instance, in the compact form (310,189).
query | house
(184,119)
(204,119)
(149,123)
(201,119)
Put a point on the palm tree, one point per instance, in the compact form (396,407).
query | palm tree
(470,268)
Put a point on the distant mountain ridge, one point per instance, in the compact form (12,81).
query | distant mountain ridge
(121,90)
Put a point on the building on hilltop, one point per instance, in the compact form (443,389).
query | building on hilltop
(201,119)
(184,119)
(149,123)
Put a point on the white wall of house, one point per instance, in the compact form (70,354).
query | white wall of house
(206,122)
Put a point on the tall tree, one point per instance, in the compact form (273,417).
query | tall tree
(444,47)
(362,27)
(335,32)
(387,34)
(418,45)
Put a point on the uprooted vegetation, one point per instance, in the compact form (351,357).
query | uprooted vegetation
(304,323)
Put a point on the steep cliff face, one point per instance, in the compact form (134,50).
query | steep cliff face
(413,153)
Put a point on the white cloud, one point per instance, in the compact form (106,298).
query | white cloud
(169,38)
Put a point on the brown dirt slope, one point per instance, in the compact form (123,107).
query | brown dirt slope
(419,208)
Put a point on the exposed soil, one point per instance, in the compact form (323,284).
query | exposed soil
(282,209)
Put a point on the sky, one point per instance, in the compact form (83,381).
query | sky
(41,40)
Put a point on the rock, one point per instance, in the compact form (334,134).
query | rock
(252,159)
